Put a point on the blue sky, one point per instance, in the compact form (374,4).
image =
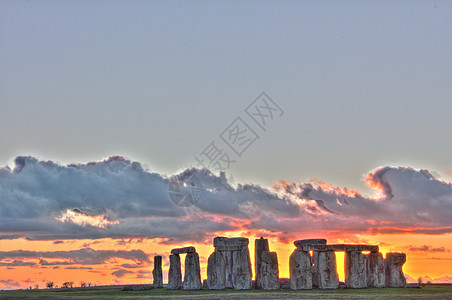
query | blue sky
(362,84)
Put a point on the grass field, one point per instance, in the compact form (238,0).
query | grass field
(434,291)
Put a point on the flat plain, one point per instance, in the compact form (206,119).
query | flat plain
(433,291)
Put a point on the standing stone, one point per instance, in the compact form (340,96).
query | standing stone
(393,269)
(227,256)
(241,269)
(269,271)
(192,277)
(355,270)
(327,276)
(305,245)
(236,261)
(216,271)
(157,272)
(174,273)
(260,245)
(300,270)
(375,270)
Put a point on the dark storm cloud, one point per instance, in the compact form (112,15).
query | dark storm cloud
(43,188)
(124,200)
(116,198)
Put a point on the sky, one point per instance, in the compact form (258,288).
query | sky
(345,107)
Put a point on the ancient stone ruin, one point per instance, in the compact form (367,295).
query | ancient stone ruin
(260,245)
(312,265)
(192,277)
(157,272)
(229,266)
(265,266)
(375,270)
(393,269)
(318,270)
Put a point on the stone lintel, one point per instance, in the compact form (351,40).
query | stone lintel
(339,247)
(309,242)
(224,241)
(183,250)
(228,248)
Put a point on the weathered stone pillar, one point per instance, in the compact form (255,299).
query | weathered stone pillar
(375,270)
(327,270)
(241,269)
(393,269)
(260,245)
(237,263)
(174,273)
(300,270)
(192,277)
(157,272)
(269,271)
(355,270)
(310,245)
(216,271)
(227,256)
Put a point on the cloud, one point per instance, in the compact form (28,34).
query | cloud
(43,262)
(116,198)
(143,274)
(17,263)
(121,273)
(425,248)
(129,266)
(406,201)
(10,283)
(128,242)
(85,219)
(39,188)
(85,256)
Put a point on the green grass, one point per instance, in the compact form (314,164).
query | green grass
(428,292)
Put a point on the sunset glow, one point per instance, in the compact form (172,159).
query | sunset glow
(131,128)
(324,211)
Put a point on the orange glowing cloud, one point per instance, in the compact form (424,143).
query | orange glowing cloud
(376,185)
(329,188)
